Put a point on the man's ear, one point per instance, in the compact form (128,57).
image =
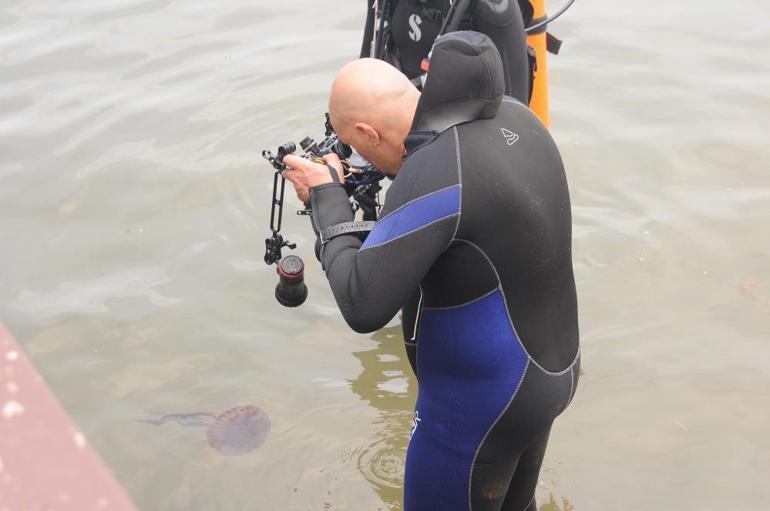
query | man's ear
(368,132)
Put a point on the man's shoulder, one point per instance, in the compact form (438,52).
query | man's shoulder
(514,110)
(514,128)
(430,168)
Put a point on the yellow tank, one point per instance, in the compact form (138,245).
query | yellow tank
(539,101)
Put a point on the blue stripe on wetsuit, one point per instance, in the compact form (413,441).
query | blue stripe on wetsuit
(470,364)
(415,215)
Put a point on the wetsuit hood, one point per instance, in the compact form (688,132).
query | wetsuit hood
(465,82)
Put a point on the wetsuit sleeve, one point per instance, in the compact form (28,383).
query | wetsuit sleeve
(371,281)
(366,43)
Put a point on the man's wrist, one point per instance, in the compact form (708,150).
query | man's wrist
(324,185)
(330,206)
(319,181)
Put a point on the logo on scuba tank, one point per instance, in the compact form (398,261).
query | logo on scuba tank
(510,137)
(414,24)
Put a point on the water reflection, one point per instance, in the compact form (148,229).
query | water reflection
(552,505)
(388,384)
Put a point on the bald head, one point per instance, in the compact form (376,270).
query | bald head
(372,99)
(365,90)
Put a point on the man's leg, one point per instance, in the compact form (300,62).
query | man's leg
(436,474)
(521,491)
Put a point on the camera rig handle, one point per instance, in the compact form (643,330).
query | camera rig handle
(275,243)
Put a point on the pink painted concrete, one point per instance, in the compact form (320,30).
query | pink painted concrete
(46,464)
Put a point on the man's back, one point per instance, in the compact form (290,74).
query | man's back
(513,228)
(516,210)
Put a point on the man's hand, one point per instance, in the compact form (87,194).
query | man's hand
(305,174)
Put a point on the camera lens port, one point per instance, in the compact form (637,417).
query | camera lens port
(291,290)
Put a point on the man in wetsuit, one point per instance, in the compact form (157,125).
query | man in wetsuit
(474,243)
(413,25)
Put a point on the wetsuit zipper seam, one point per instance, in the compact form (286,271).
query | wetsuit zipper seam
(414,336)
(459,184)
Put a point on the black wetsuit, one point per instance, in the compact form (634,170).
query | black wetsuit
(474,243)
(414,25)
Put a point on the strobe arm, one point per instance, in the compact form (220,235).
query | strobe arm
(275,243)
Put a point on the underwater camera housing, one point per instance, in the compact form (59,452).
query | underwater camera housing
(362,185)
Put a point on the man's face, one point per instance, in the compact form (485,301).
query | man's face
(384,154)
